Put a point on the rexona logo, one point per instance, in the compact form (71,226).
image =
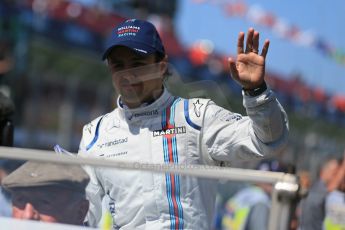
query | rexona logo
(146,113)
(171,131)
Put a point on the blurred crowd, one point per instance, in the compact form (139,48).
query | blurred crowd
(320,203)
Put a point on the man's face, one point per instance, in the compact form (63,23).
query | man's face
(329,170)
(48,204)
(136,78)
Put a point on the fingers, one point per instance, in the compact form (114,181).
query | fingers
(255,48)
(265,48)
(240,43)
(252,43)
(249,41)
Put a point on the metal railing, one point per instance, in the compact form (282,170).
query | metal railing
(285,186)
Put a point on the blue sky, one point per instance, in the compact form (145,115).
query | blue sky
(324,19)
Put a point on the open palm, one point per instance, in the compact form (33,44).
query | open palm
(249,68)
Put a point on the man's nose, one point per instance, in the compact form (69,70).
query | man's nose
(30,213)
(128,75)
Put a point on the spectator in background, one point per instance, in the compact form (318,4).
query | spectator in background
(312,206)
(304,180)
(335,204)
(48,192)
(249,208)
(304,185)
(6,167)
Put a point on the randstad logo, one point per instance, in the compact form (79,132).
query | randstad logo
(171,131)
(114,142)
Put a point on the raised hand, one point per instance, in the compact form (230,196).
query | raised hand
(249,68)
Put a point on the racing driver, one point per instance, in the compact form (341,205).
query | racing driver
(152,125)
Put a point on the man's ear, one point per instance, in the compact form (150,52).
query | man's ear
(163,65)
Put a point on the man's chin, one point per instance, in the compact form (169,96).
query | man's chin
(130,98)
(131,92)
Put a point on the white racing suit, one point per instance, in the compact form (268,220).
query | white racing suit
(179,131)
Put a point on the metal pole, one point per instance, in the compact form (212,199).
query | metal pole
(205,171)
(283,194)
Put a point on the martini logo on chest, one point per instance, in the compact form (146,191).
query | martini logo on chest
(169,131)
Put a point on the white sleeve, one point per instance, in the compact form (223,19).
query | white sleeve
(94,190)
(230,136)
(95,194)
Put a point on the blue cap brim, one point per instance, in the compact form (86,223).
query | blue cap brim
(140,48)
